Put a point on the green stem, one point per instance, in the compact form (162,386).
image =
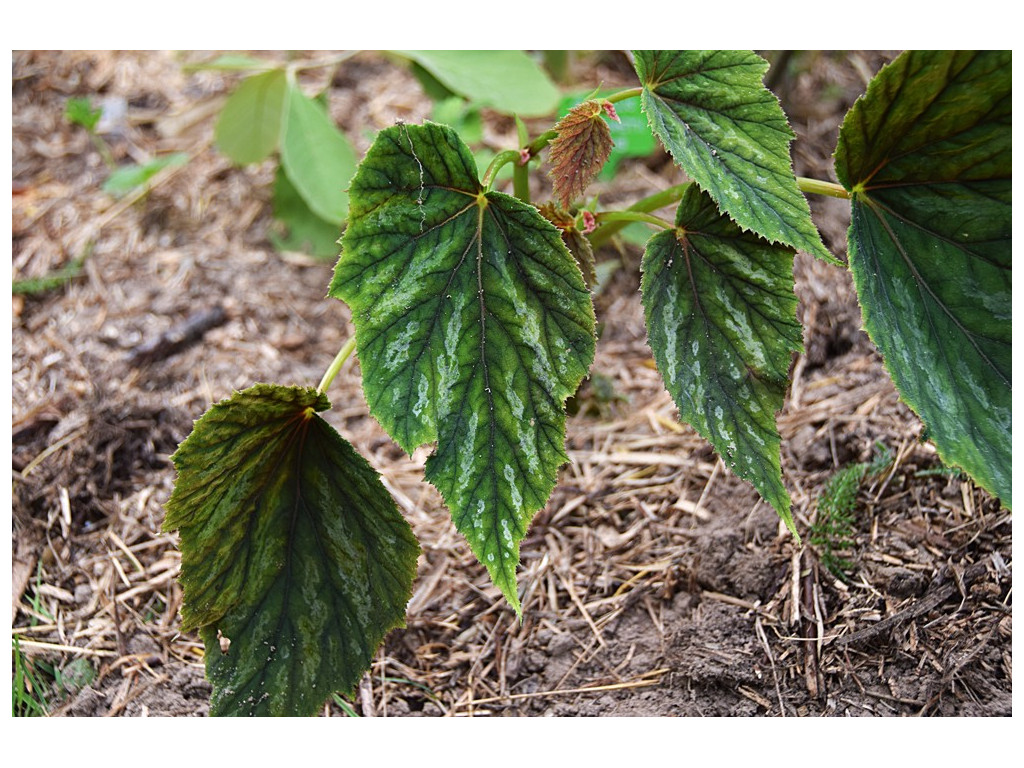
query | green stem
(541,141)
(652,203)
(629,93)
(817,187)
(521,182)
(104,149)
(629,216)
(500,160)
(336,363)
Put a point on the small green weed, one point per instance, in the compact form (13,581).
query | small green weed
(27,697)
(833,531)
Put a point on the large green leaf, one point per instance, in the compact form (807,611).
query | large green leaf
(473,326)
(926,156)
(249,125)
(295,560)
(508,81)
(721,319)
(727,131)
(317,157)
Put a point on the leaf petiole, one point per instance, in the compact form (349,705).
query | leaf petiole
(336,363)
(817,187)
(629,93)
(656,201)
(630,216)
(500,161)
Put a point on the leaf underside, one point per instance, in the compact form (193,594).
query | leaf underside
(926,154)
(295,560)
(721,320)
(728,132)
(473,326)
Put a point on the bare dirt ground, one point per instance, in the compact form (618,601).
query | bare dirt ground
(655,583)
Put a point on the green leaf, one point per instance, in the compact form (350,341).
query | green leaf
(926,156)
(317,157)
(727,131)
(230,62)
(80,111)
(461,115)
(721,319)
(302,230)
(249,126)
(124,180)
(295,561)
(473,326)
(508,81)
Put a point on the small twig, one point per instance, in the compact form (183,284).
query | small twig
(177,338)
(936,597)
(366,697)
(759,629)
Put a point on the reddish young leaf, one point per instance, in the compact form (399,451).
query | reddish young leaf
(583,145)
(575,240)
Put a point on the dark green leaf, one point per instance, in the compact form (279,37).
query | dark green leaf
(302,229)
(124,180)
(295,561)
(473,326)
(721,318)
(317,157)
(926,156)
(508,81)
(727,131)
(249,126)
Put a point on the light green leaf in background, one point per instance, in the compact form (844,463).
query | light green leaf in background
(473,326)
(317,157)
(125,179)
(508,81)
(231,62)
(298,228)
(295,560)
(249,125)
(926,156)
(728,132)
(721,320)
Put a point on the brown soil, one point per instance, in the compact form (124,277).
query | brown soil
(655,582)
